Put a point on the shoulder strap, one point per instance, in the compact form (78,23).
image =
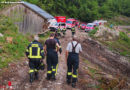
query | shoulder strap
(73,47)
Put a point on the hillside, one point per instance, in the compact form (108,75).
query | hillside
(12,43)
(85,10)
(104,63)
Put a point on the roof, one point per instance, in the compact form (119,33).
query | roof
(90,24)
(38,10)
(71,19)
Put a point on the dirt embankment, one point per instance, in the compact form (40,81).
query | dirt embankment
(100,55)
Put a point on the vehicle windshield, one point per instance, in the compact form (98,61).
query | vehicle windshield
(56,24)
(70,22)
(89,25)
(62,24)
(83,24)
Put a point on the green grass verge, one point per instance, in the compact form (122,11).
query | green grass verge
(91,33)
(119,20)
(122,45)
(10,52)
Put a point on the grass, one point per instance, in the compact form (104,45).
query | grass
(10,52)
(91,33)
(120,20)
(122,45)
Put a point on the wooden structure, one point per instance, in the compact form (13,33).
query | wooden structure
(29,17)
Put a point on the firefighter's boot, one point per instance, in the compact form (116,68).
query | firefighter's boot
(31,77)
(68,82)
(48,76)
(36,76)
(53,77)
(73,85)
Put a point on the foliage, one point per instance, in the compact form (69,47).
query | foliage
(11,51)
(122,45)
(91,33)
(124,37)
(85,10)
(120,20)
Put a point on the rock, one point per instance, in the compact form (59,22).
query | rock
(1,35)
(105,33)
(9,39)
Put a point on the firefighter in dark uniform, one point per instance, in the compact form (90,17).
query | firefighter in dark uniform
(35,55)
(58,32)
(73,31)
(72,57)
(52,57)
(64,31)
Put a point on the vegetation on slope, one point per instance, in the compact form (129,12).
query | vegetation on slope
(122,45)
(85,10)
(15,49)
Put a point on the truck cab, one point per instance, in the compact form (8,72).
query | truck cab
(70,23)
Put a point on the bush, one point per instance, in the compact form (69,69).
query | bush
(91,33)
(124,37)
(11,51)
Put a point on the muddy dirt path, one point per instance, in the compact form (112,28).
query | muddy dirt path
(17,72)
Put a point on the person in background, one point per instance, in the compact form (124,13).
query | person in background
(64,31)
(73,31)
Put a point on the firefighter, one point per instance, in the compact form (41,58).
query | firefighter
(58,32)
(72,56)
(52,57)
(64,31)
(73,31)
(58,41)
(35,55)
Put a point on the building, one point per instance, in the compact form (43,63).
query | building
(29,17)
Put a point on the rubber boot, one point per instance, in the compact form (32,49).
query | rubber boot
(68,82)
(31,77)
(73,85)
(53,77)
(48,76)
(36,76)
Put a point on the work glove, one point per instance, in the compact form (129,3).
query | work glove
(60,50)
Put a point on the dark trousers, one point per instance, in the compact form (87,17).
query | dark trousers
(73,33)
(34,65)
(72,65)
(52,62)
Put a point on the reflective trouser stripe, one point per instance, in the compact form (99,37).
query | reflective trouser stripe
(36,70)
(49,72)
(53,69)
(56,69)
(31,70)
(69,73)
(74,76)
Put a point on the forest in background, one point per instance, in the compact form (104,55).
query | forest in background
(84,10)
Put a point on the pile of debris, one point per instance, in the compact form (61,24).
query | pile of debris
(107,34)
